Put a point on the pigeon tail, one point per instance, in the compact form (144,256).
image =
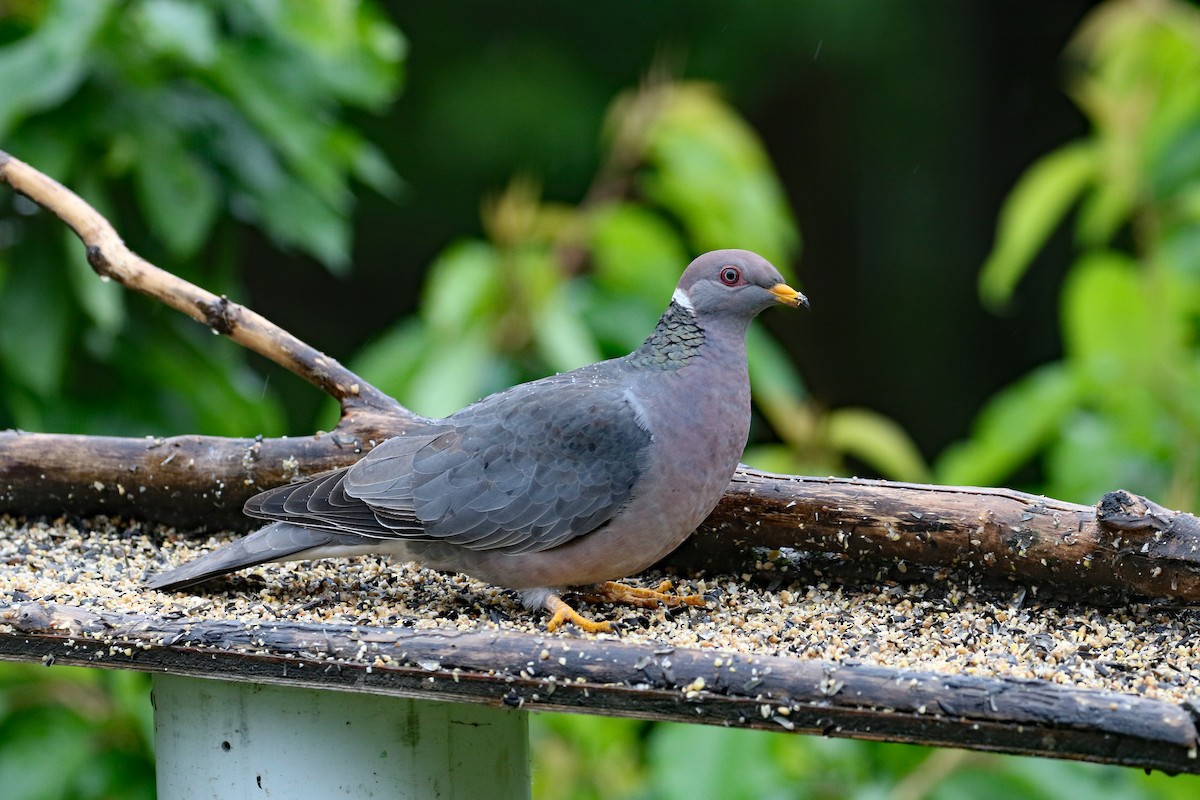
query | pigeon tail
(280,541)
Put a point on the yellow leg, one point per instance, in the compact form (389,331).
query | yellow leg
(619,593)
(563,614)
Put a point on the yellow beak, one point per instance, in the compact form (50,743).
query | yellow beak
(788,296)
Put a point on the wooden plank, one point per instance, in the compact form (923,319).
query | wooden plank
(634,679)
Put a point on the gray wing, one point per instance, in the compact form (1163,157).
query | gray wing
(524,470)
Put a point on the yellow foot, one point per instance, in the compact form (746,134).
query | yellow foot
(564,614)
(619,593)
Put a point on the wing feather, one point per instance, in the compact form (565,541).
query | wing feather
(521,471)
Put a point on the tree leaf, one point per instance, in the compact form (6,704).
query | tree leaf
(635,251)
(1014,424)
(772,373)
(102,300)
(1116,320)
(390,361)
(452,374)
(1101,214)
(1093,455)
(178,195)
(44,68)
(712,172)
(462,285)
(876,441)
(176,28)
(33,336)
(295,217)
(562,339)
(1034,208)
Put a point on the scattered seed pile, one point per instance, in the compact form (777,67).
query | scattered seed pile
(950,627)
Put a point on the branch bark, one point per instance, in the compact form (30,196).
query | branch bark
(622,678)
(766,524)
(111,259)
(775,524)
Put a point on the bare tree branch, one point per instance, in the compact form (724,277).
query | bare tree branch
(110,258)
(773,524)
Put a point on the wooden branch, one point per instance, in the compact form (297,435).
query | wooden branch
(770,524)
(110,258)
(623,678)
(196,482)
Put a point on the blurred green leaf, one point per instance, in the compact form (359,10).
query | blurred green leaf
(453,373)
(41,70)
(178,195)
(463,284)
(295,217)
(563,340)
(71,732)
(1101,214)
(361,49)
(1092,455)
(179,29)
(1111,322)
(876,441)
(373,169)
(269,89)
(201,385)
(44,748)
(102,300)
(1119,409)
(711,171)
(1011,428)
(1032,211)
(636,252)
(775,379)
(390,361)
(690,761)
(34,337)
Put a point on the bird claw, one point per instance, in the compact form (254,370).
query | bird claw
(617,594)
(563,614)
(620,593)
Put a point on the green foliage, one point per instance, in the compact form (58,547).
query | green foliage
(75,733)
(587,758)
(555,286)
(1120,409)
(1036,207)
(179,121)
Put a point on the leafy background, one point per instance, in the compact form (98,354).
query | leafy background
(1001,207)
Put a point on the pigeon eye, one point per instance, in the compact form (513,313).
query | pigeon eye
(730,276)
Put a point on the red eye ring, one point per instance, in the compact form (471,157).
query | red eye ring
(730,276)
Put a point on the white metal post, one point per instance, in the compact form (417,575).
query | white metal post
(227,739)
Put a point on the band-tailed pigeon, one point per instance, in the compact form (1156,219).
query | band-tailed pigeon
(571,480)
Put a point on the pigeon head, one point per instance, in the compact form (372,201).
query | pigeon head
(734,283)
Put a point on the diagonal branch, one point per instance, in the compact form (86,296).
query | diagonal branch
(110,258)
